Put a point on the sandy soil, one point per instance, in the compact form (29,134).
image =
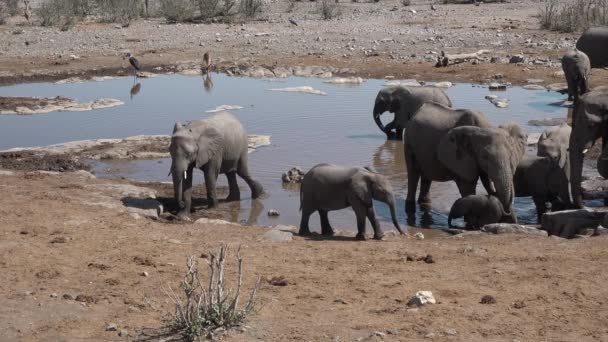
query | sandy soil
(72,256)
(73,268)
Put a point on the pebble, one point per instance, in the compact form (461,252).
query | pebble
(419,236)
(273,213)
(112,327)
(451,332)
(144,274)
(422,298)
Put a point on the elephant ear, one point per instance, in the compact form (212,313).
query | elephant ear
(563,157)
(209,145)
(178,127)
(456,154)
(360,184)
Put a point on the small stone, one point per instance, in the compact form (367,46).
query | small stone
(422,298)
(451,332)
(123,333)
(410,258)
(218,40)
(68,296)
(497,86)
(112,327)
(273,213)
(429,259)
(278,281)
(144,274)
(174,241)
(429,335)
(517,59)
(419,236)
(54,295)
(487,299)
(379,334)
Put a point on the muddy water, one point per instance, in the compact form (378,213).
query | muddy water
(306,130)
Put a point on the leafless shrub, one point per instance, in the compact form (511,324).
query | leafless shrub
(329,9)
(573,15)
(119,10)
(251,8)
(12,6)
(203,309)
(406,2)
(175,11)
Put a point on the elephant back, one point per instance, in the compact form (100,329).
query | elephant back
(594,43)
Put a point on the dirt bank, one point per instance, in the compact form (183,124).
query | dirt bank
(77,266)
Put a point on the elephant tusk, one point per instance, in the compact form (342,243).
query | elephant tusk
(585,150)
(185,174)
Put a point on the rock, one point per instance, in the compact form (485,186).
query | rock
(276,235)
(206,221)
(534,87)
(559,87)
(600,231)
(6,173)
(444,84)
(497,86)
(144,274)
(429,259)
(534,80)
(223,108)
(294,175)
(54,295)
(487,299)
(517,59)
(419,236)
(112,327)
(509,228)
(345,80)
(273,213)
(421,298)
(278,281)
(302,89)
(29,106)
(429,335)
(123,333)
(547,122)
(67,296)
(451,332)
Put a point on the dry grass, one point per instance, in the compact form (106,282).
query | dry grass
(573,15)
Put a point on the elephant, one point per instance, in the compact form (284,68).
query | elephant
(545,180)
(215,145)
(469,151)
(594,43)
(404,102)
(424,131)
(477,210)
(553,143)
(577,70)
(328,187)
(589,123)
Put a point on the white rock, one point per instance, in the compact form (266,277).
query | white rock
(445,84)
(419,236)
(205,220)
(422,298)
(346,80)
(303,89)
(276,235)
(223,108)
(6,173)
(534,87)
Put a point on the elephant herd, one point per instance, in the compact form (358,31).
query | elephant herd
(440,144)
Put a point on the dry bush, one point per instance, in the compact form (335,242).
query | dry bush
(119,10)
(175,11)
(205,308)
(12,7)
(406,2)
(251,8)
(573,15)
(329,9)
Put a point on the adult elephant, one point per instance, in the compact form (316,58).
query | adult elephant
(214,145)
(404,102)
(472,151)
(589,123)
(429,124)
(594,43)
(577,70)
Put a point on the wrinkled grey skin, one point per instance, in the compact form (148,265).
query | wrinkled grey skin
(577,70)
(544,180)
(477,210)
(469,151)
(424,131)
(589,123)
(214,145)
(594,43)
(328,187)
(553,142)
(404,102)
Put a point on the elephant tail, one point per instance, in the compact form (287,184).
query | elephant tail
(301,196)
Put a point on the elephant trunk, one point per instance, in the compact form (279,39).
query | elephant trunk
(577,153)
(178,186)
(379,108)
(455,211)
(391,205)
(503,182)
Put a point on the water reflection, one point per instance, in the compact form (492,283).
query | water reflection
(389,159)
(135,89)
(208,83)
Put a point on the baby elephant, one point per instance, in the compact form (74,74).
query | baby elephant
(328,187)
(477,210)
(544,180)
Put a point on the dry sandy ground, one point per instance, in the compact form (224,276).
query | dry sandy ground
(54,245)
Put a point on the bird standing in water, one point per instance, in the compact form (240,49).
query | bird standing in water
(134,62)
(206,62)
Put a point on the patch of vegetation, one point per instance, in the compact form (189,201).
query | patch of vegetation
(203,309)
(573,15)
(176,11)
(251,8)
(329,9)
(119,10)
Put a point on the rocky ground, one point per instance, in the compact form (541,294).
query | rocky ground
(83,258)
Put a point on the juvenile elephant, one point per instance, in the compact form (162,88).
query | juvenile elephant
(594,43)
(328,187)
(544,180)
(589,123)
(214,145)
(577,70)
(424,131)
(470,151)
(404,102)
(553,143)
(477,210)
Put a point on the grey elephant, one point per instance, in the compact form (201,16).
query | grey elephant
(594,43)
(214,145)
(404,102)
(328,187)
(477,210)
(577,70)
(589,123)
(470,151)
(545,180)
(424,131)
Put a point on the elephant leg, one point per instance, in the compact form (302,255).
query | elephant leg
(423,198)
(466,188)
(371,215)
(412,182)
(399,133)
(304,229)
(326,228)
(571,87)
(361,213)
(235,193)
(389,130)
(487,184)
(187,193)
(210,182)
(243,171)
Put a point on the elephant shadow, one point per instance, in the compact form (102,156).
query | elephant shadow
(314,236)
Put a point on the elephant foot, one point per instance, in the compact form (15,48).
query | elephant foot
(410,207)
(211,203)
(327,232)
(257,191)
(360,237)
(183,216)
(425,204)
(304,232)
(379,236)
(233,198)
